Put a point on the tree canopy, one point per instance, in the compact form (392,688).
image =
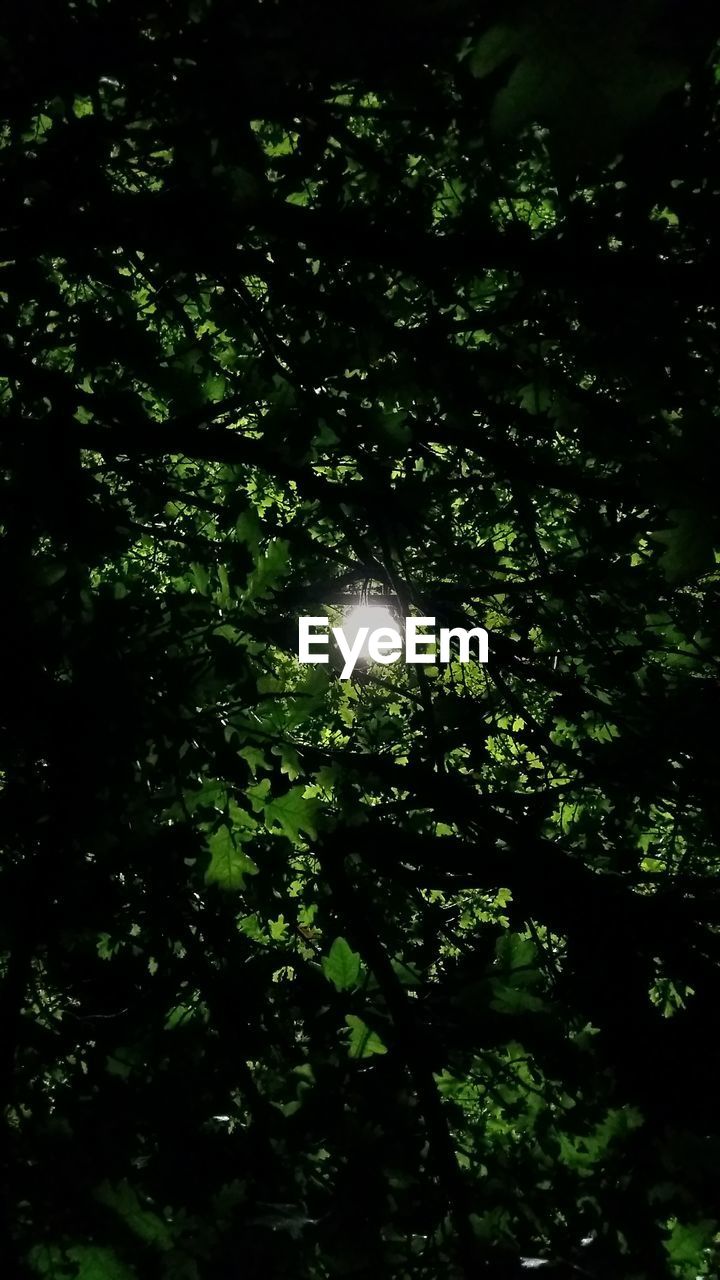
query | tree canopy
(414,975)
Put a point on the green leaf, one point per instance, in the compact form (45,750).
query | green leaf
(517,961)
(494,47)
(124,1060)
(181,1014)
(293,814)
(107,947)
(48,572)
(270,568)
(224,580)
(248,529)
(201,578)
(514,952)
(50,1260)
(228,1199)
(507,999)
(689,542)
(214,387)
(578,71)
(363,1042)
(228,865)
(144,1223)
(255,757)
(278,928)
(95,1263)
(688,1241)
(405,974)
(258,794)
(342,965)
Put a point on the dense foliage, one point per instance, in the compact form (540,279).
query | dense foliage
(415,975)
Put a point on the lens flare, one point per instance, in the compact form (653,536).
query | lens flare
(370,616)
